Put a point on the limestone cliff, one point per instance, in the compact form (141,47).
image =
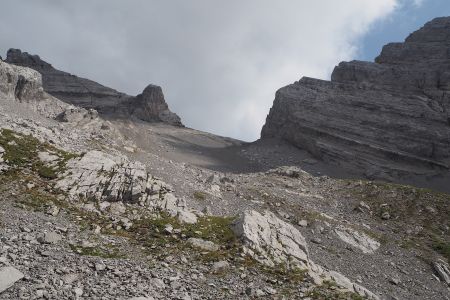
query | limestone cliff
(89,94)
(386,118)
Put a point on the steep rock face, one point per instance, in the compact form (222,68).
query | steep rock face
(20,83)
(387,118)
(24,85)
(150,106)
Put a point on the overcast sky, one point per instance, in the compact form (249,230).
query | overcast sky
(219,62)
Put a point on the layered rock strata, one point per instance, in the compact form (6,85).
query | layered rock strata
(388,118)
(149,106)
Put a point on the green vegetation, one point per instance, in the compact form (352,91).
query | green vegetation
(425,211)
(21,151)
(442,247)
(198,195)
(107,251)
(329,291)
(215,229)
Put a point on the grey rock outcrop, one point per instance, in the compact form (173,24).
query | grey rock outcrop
(357,239)
(270,240)
(24,85)
(389,118)
(443,270)
(105,177)
(149,106)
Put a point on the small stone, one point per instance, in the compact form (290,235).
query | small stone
(78,292)
(386,215)
(259,293)
(316,241)
(187,217)
(394,281)
(50,238)
(168,229)
(8,276)
(202,244)
(100,266)
(53,210)
(270,291)
(303,223)
(220,266)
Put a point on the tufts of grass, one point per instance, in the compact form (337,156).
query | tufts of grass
(199,195)
(442,247)
(329,291)
(21,151)
(105,251)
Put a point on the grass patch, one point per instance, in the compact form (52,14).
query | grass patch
(105,251)
(329,291)
(199,195)
(21,151)
(442,247)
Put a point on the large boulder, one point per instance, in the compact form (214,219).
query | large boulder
(273,242)
(270,240)
(105,177)
(385,119)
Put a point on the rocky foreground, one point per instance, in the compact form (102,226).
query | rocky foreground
(89,209)
(388,119)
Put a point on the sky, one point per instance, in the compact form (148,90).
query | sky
(219,62)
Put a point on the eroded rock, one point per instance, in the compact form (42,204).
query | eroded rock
(357,239)
(8,276)
(270,240)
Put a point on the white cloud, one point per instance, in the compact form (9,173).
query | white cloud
(219,62)
(418,3)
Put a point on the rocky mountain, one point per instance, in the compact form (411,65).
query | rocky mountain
(100,207)
(149,106)
(389,118)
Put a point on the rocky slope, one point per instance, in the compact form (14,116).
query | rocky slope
(149,106)
(95,208)
(389,118)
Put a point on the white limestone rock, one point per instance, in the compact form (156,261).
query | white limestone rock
(358,239)
(443,270)
(8,276)
(270,240)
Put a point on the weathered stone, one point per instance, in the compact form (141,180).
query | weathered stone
(50,238)
(443,270)
(8,276)
(270,240)
(187,217)
(202,244)
(220,266)
(357,239)
(25,85)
